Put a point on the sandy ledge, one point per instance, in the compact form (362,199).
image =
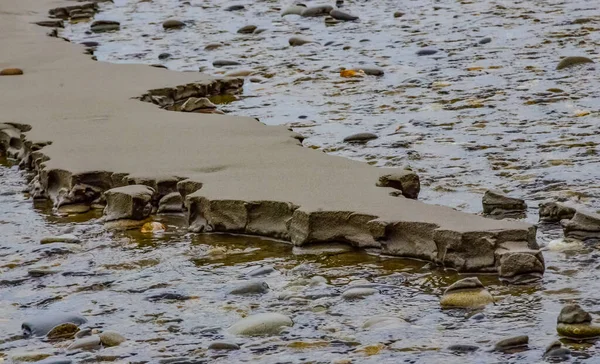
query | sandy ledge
(79,124)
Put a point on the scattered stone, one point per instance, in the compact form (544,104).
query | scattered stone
(398,14)
(576,323)
(583,226)
(406,181)
(466,293)
(358,293)
(88,343)
(66,238)
(57,249)
(340,15)
(111,338)
(556,352)
(128,202)
(168,296)
(235,8)
(172,202)
(485,40)
(223,62)
(262,324)
(259,30)
(512,343)
(329,20)
(314,11)
(42,325)
(371,71)
(294,10)
(100,26)
(153,227)
(360,138)
(173,24)
(383,322)
(555,212)
(297,41)
(40,272)
(63,331)
(463,348)
(248,29)
(195,103)
(568,62)
(520,266)
(51,23)
(211,46)
(223,345)
(496,203)
(90,44)
(164,55)
(251,287)
(11,72)
(426,52)
(83,333)
(261,271)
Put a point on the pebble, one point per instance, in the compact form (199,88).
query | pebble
(466,293)
(173,24)
(463,348)
(164,55)
(360,137)
(426,52)
(100,26)
(358,293)
(223,345)
(87,343)
(111,338)
(371,71)
(485,40)
(340,15)
(248,29)
(568,62)
(383,322)
(235,8)
(153,227)
(168,296)
(511,343)
(11,72)
(261,271)
(40,272)
(57,249)
(66,238)
(62,331)
(398,14)
(262,324)
(211,46)
(297,41)
(223,62)
(251,287)
(90,44)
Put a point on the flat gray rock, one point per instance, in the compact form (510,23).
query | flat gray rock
(262,324)
(128,202)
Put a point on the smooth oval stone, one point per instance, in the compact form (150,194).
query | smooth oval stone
(66,238)
(578,331)
(83,333)
(358,293)
(261,271)
(426,52)
(90,44)
(398,14)
(11,72)
(224,62)
(248,29)
(297,41)
(173,24)
(164,55)
(485,40)
(513,342)
(252,287)
(62,331)
(104,26)
(463,348)
(293,10)
(573,314)
(87,343)
(211,46)
(261,324)
(559,354)
(466,299)
(223,345)
(41,326)
(360,137)
(568,62)
(313,11)
(340,15)
(111,338)
(235,7)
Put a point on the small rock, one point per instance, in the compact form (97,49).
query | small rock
(262,324)
(248,29)
(57,249)
(463,348)
(512,343)
(42,325)
(358,293)
(340,15)
(63,331)
(90,44)
(83,333)
(223,345)
(371,71)
(128,202)
(466,293)
(211,46)
(173,24)
(406,181)
(111,338)
(164,55)
(222,63)
(574,322)
(66,238)
(383,322)
(556,352)
(172,202)
(252,287)
(261,271)
(314,11)
(167,296)
(485,40)
(426,52)
(297,41)
(88,343)
(294,10)
(153,227)
(360,138)
(583,226)
(496,203)
(11,72)
(574,314)
(100,26)
(398,14)
(195,103)
(569,62)
(235,8)
(555,212)
(51,23)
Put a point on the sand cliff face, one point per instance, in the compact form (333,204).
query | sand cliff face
(80,126)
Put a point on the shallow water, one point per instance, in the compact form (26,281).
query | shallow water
(493,140)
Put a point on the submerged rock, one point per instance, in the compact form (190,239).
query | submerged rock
(11,72)
(371,71)
(466,293)
(248,29)
(520,266)
(426,52)
(87,343)
(485,40)
(360,138)
(297,41)
(223,62)
(111,338)
(153,227)
(173,24)
(261,271)
(463,348)
(568,62)
(211,46)
(262,324)
(358,293)
(252,287)
(512,343)
(235,8)
(555,212)
(66,238)
(42,325)
(496,203)
(100,26)
(128,202)
(313,11)
(583,225)
(555,352)
(406,181)
(576,323)
(340,15)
